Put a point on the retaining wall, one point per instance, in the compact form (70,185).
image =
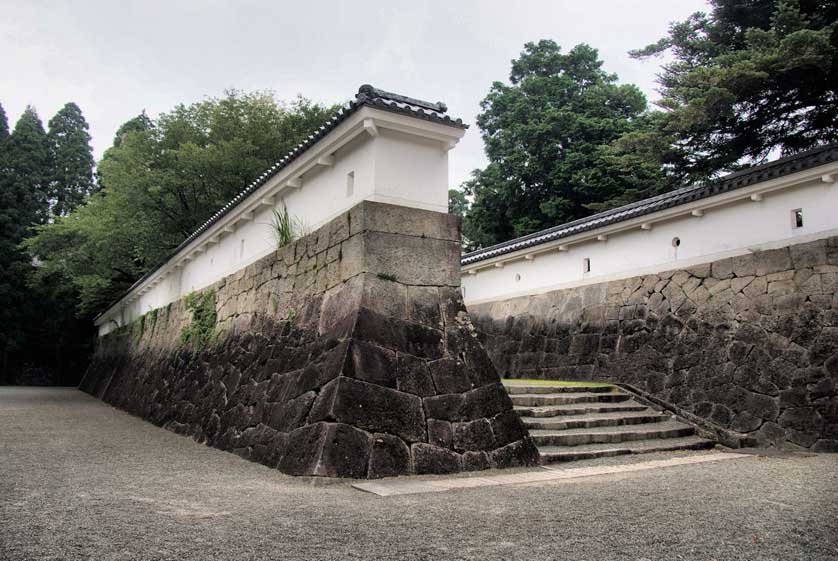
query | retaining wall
(748,344)
(346,353)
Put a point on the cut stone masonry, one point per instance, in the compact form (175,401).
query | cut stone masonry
(347,353)
(748,344)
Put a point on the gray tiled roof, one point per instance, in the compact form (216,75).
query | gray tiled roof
(367,96)
(744,178)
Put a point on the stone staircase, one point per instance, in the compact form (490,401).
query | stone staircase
(582,422)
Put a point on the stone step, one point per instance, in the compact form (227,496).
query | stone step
(553,454)
(515,389)
(606,435)
(541,400)
(595,420)
(579,409)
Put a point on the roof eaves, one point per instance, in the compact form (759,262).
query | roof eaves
(367,96)
(757,174)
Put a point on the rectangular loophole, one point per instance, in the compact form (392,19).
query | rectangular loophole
(797,218)
(350,183)
(586,265)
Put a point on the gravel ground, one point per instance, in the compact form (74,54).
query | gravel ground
(81,480)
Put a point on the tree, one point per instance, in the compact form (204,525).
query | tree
(72,159)
(28,171)
(751,78)
(457,202)
(550,138)
(24,174)
(4,126)
(161,180)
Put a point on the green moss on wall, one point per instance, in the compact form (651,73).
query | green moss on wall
(200,332)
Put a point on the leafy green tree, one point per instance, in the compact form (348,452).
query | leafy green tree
(457,202)
(749,79)
(161,180)
(550,137)
(72,158)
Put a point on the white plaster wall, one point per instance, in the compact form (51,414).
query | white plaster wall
(410,170)
(392,167)
(724,231)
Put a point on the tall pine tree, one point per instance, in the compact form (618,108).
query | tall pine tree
(26,172)
(29,171)
(72,157)
(4,126)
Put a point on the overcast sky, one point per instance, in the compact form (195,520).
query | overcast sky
(115,58)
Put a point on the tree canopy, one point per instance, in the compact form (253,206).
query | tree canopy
(162,179)
(72,157)
(751,78)
(550,138)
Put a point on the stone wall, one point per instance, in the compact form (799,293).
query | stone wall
(749,345)
(347,353)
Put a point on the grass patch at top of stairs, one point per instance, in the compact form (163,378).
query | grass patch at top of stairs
(570,383)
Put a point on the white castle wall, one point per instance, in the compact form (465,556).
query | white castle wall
(731,224)
(381,157)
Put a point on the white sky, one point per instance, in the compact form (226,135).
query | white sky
(115,58)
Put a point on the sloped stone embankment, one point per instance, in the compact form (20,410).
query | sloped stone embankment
(347,353)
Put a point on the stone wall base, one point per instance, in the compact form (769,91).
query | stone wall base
(347,354)
(749,344)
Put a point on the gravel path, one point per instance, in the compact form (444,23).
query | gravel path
(81,480)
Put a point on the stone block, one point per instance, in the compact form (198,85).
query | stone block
(440,433)
(371,407)
(772,261)
(720,286)
(430,459)
(485,402)
(371,363)
(808,254)
(409,337)
(701,271)
(449,376)
(722,269)
(289,415)
(744,266)
(507,427)
(394,219)
(413,376)
(338,230)
(756,287)
(520,453)
(680,277)
(406,258)
(423,305)
(328,450)
(385,296)
(389,457)
(789,303)
(745,421)
(473,435)
(781,276)
(474,461)
(449,407)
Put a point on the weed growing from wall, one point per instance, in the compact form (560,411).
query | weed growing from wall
(201,330)
(387,277)
(283,227)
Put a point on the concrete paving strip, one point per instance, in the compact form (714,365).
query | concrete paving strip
(390,487)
